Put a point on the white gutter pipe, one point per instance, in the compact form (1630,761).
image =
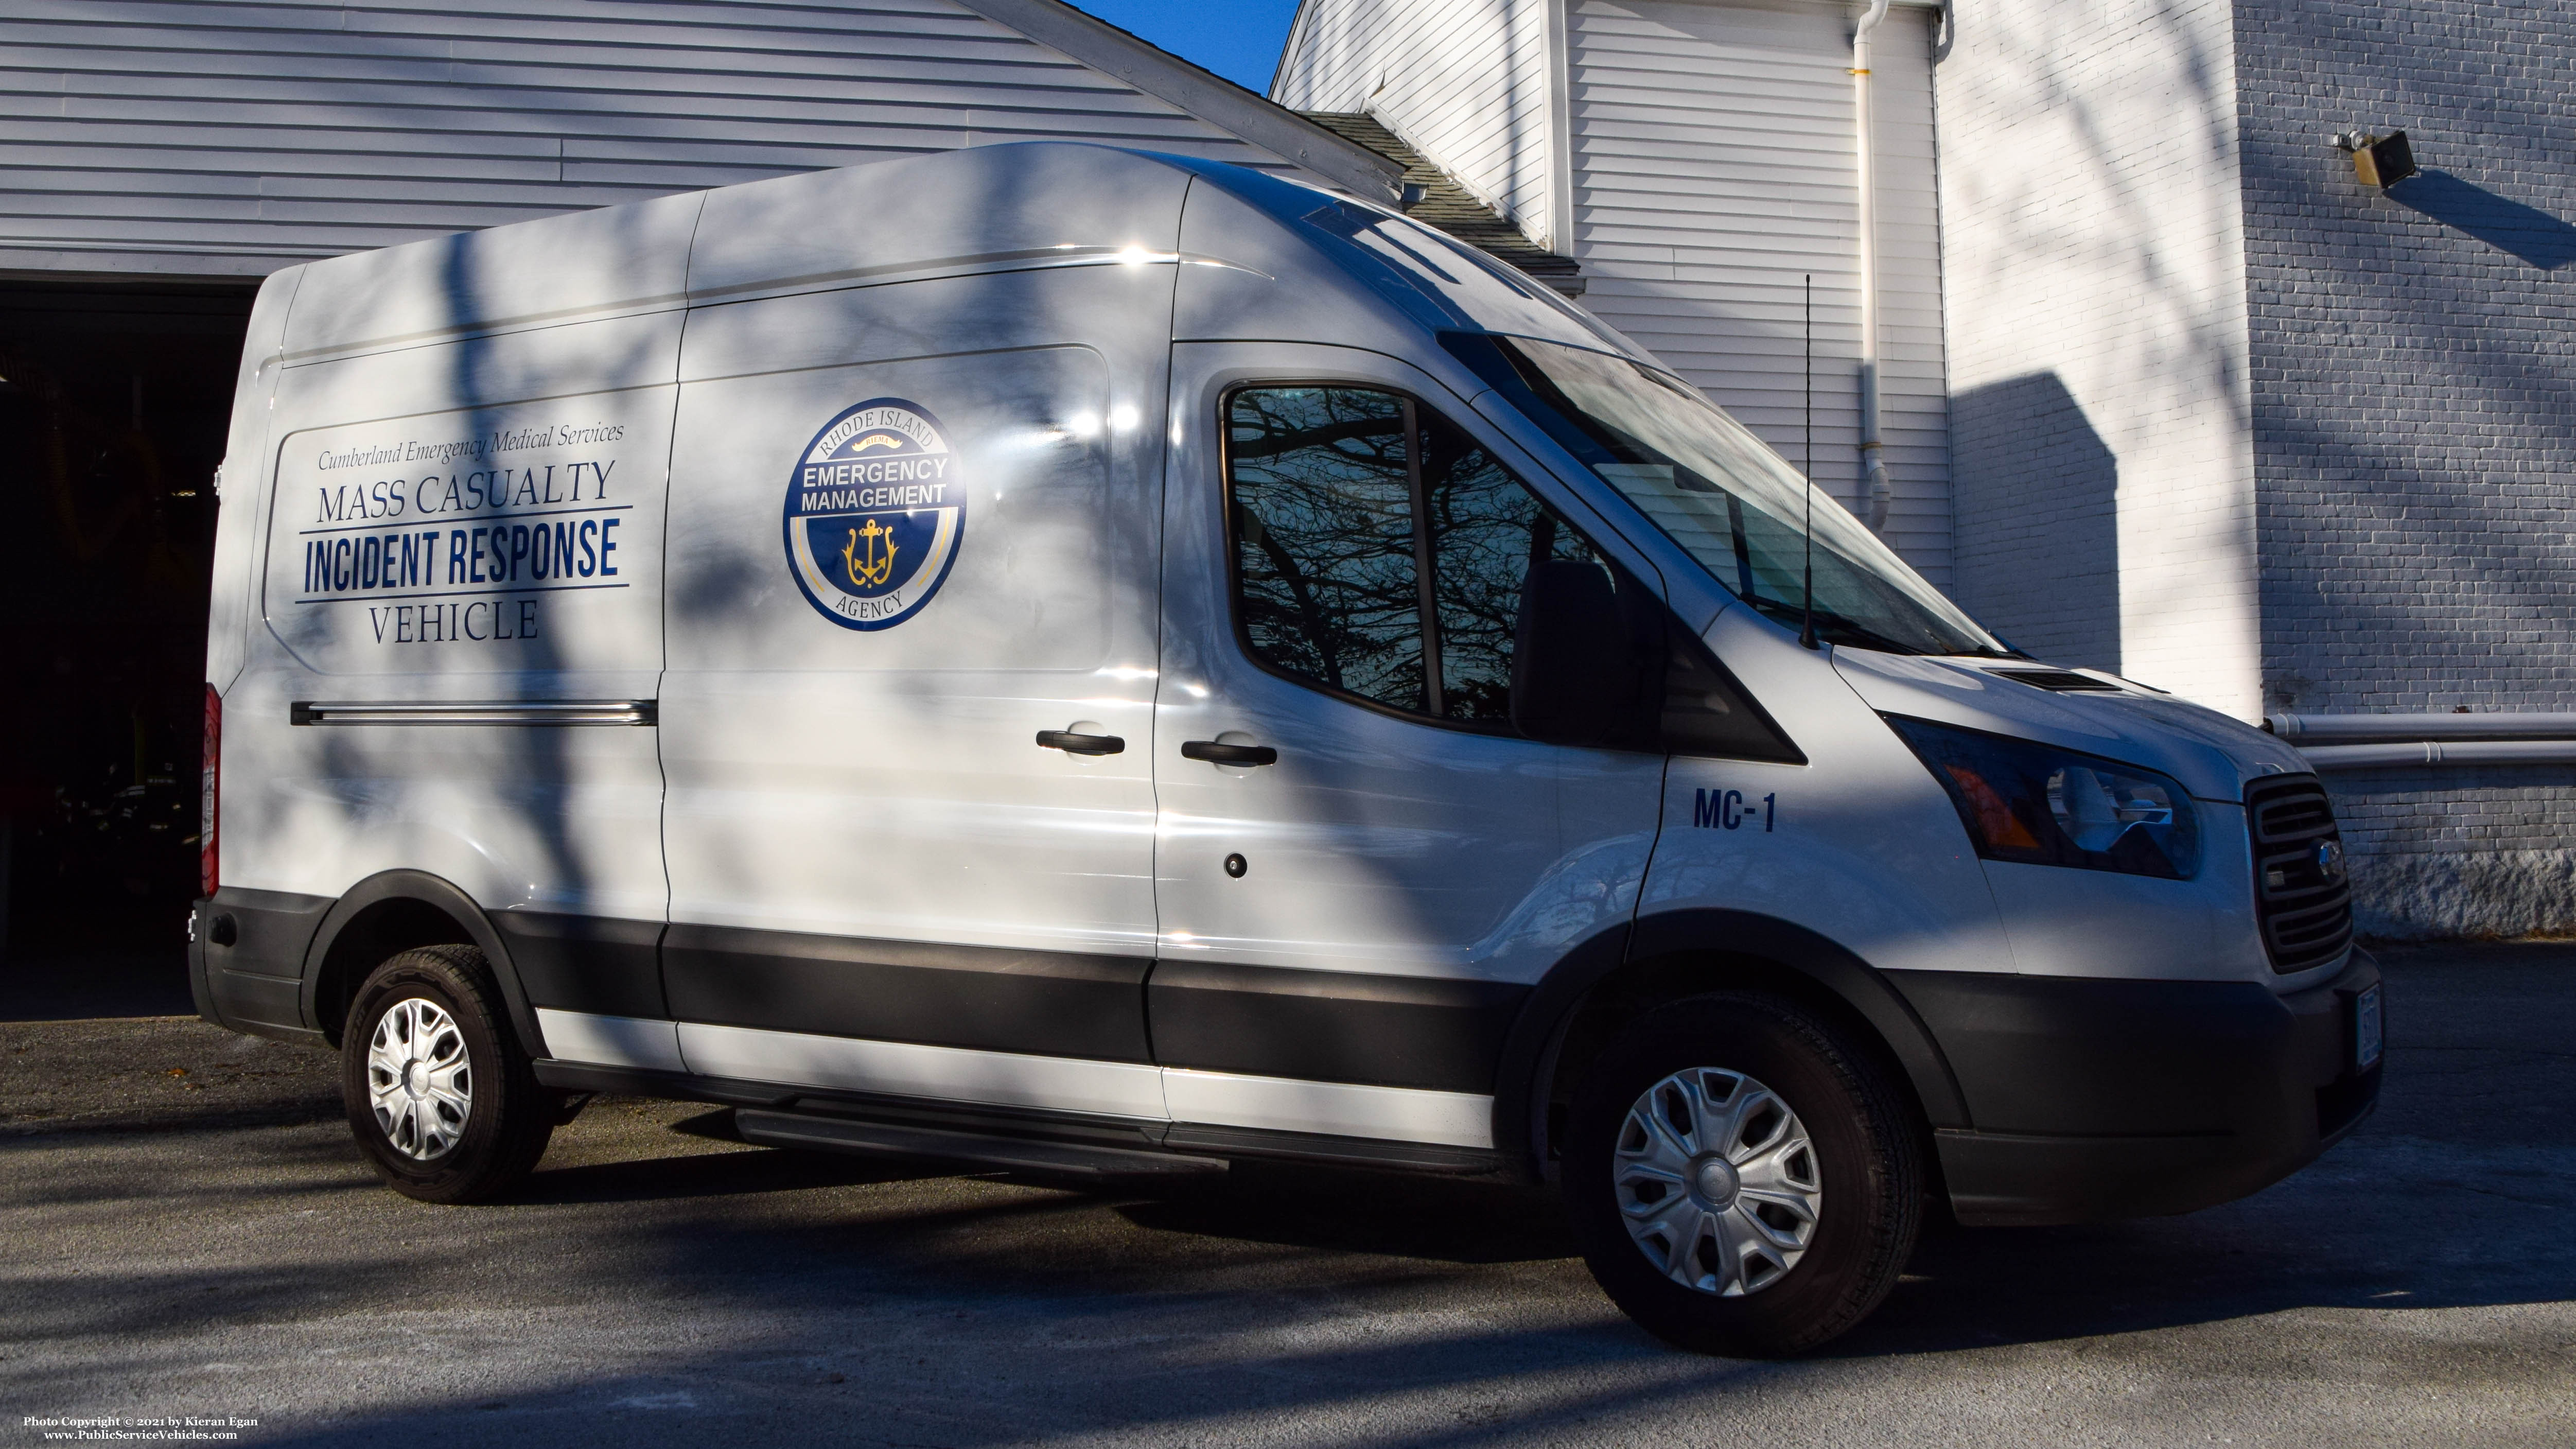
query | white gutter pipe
(2333,728)
(1881,493)
(2434,752)
(2362,741)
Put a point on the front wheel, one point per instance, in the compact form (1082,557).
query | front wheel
(437,1089)
(1743,1179)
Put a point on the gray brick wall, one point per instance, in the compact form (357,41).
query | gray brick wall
(2441,853)
(2037,513)
(2414,422)
(2414,353)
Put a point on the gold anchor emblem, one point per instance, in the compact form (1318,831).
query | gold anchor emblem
(868,569)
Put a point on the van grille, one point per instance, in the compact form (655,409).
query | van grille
(2302,891)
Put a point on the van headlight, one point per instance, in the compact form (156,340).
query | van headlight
(2039,805)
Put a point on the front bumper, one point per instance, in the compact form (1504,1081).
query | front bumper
(2112,1099)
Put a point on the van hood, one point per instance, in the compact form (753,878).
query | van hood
(2211,754)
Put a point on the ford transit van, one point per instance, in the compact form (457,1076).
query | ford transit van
(1113,664)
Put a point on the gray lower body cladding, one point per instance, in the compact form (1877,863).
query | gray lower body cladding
(2085,1099)
(2095,1100)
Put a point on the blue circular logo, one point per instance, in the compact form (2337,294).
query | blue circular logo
(875,511)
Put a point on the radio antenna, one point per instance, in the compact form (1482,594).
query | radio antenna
(1807,469)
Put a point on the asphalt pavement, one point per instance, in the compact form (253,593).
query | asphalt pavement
(187,1231)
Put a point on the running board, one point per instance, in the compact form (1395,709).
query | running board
(877,1139)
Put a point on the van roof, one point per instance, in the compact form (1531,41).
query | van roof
(982,209)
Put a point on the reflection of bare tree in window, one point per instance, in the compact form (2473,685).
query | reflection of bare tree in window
(1324,538)
(1486,531)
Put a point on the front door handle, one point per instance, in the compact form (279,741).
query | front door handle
(1217,754)
(1074,744)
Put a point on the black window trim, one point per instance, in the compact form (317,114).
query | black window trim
(1426,583)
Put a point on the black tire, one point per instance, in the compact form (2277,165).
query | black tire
(509,1115)
(1867,1161)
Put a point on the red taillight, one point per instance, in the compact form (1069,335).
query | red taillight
(210,784)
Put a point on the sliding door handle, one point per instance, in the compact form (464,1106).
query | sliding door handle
(1217,754)
(1074,744)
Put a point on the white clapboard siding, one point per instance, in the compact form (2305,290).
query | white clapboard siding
(1464,82)
(1713,165)
(184,137)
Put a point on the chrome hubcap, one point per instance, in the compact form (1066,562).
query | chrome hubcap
(418,1079)
(1717,1181)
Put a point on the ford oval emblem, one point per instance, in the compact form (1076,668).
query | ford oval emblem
(2330,859)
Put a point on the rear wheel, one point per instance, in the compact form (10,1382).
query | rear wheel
(1743,1179)
(438,1091)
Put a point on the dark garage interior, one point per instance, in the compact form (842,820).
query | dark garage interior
(112,421)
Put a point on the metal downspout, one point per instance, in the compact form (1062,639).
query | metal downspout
(1872,448)
(2367,741)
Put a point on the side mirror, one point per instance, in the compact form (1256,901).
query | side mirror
(1575,674)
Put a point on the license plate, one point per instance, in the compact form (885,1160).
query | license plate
(2365,1030)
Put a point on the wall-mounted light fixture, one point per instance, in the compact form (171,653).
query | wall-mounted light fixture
(2380,161)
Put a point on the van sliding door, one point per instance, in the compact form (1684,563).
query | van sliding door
(906,724)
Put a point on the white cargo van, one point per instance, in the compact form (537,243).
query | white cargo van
(1108,663)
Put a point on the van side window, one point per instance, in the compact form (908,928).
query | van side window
(1486,532)
(1325,547)
(1344,498)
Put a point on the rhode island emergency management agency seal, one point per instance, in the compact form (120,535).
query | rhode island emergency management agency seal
(875,512)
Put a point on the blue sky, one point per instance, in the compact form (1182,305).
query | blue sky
(1238,39)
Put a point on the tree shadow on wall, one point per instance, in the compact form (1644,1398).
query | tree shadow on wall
(2509,226)
(2038,526)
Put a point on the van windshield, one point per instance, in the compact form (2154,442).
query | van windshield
(1728,499)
